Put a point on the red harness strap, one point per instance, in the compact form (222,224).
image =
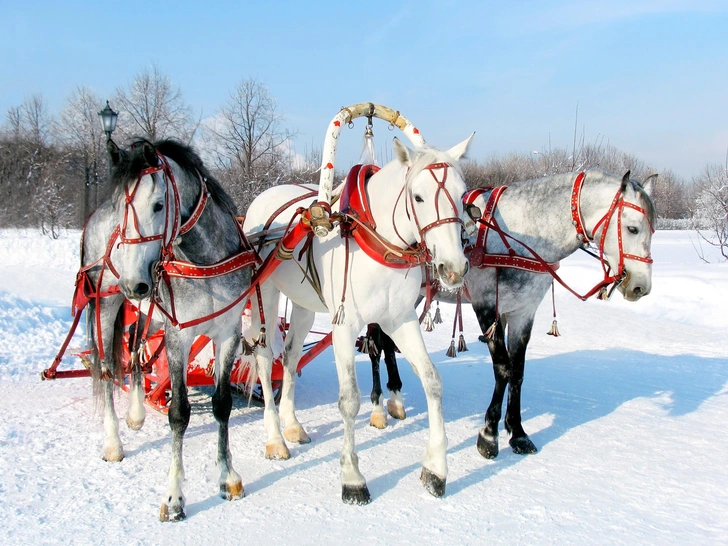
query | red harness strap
(360,224)
(477,253)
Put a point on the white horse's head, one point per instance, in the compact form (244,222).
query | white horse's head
(146,210)
(629,238)
(435,188)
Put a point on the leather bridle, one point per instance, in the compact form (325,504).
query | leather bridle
(410,205)
(617,207)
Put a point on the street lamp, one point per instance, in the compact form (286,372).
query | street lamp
(108,120)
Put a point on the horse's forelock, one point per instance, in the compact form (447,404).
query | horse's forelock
(428,156)
(134,162)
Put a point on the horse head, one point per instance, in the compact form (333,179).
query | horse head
(147,214)
(629,237)
(434,191)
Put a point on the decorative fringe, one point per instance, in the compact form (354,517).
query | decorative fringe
(339,316)
(427,322)
(438,317)
(490,332)
(261,338)
(362,344)
(554,330)
(451,350)
(461,344)
(373,349)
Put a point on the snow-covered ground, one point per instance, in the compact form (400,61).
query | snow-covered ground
(626,407)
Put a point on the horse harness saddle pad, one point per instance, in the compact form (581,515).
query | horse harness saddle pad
(361,226)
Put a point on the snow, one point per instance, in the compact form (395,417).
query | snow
(625,408)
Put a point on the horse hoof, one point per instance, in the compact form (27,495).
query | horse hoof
(232,491)
(113,454)
(296,435)
(277,452)
(378,420)
(176,512)
(523,445)
(487,446)
(133,424)
(433,483)
(356,494)
(396,409)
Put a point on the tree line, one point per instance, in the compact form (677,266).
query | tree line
(54,171)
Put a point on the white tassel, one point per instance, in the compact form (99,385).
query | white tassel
(490,332)
(554,330)
(427,322)
(339,316)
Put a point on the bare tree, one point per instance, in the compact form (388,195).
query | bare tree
(711,207)
(249,141)
(151,107)
(80,132)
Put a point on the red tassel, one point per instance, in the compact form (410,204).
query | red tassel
(362,344)
(490,332)
(451,350)
(461,344)
(554,330)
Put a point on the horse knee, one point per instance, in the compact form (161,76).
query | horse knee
(222,406)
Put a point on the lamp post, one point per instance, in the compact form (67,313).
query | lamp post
(108,123)
(108,120)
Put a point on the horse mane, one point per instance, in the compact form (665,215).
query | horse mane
(427,156)
(134,163)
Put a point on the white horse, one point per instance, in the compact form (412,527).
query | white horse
(415,203)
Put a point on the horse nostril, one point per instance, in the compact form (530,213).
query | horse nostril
(141,289)
(637,290)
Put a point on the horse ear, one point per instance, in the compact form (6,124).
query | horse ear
(114,152)
(649,184)
(459,150)
(625,181)
(402,152)
(150,155)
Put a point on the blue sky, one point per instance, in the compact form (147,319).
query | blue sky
(650,76)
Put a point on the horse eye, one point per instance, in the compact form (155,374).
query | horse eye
(157,207)
(419,199)
(633,230)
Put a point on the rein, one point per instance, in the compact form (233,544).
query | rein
(537,264)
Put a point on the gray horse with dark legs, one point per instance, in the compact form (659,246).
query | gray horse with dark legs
(552,219)
(177,227)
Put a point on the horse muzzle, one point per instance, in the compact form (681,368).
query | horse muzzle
(452,277)
(136,290)
(633,288)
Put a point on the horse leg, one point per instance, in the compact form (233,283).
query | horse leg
(105,371)
(487,443)
(301,322)
(173,505)
(136,413)
(231,486)
(354,488)
(395,404)
(408,338)
(373,340)
(519,334)
(275,446)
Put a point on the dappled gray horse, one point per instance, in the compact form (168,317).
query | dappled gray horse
(540,222)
